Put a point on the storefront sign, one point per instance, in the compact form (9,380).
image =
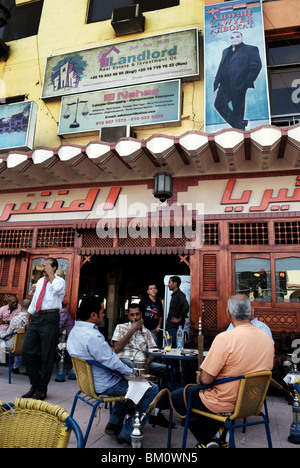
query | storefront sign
(144,60)
(233,196)
(17,126)
(236,87)
(155,103)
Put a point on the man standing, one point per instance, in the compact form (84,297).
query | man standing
(239,67)
(152,312)
(8,312)
(179,308)
(86,342)
(244,350)
(43,329)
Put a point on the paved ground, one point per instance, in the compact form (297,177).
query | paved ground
(280,414)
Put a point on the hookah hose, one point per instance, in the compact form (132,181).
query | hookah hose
(158,397)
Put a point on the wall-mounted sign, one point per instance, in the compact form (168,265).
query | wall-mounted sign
(155,103)
(17,126)
(144,60)
(236,87)
(243,196)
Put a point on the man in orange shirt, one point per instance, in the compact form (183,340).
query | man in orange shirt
(242,350)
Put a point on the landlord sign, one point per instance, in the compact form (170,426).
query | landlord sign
(144,60)
(155,103)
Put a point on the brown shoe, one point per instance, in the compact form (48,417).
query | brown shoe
(121,440)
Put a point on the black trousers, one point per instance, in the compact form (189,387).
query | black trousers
(38,349)
(234,114)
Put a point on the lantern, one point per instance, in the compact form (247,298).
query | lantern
(162,186)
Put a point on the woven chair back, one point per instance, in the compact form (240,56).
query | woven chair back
(19,339)
(252,393)
(33,424)
(84,377)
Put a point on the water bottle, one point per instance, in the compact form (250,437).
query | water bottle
(180,338)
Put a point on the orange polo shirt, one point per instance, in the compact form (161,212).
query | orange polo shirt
(243,350)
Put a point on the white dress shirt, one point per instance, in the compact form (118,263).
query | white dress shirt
(54,294)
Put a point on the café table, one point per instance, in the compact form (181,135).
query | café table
(170,357)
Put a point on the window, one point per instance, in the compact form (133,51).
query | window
(253,278)
(37,271)
(284,70)
(100,10)
(287,271)
(24,22)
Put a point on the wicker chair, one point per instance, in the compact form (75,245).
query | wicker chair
(30,423)
(87,393)
(17,349)
(251,396)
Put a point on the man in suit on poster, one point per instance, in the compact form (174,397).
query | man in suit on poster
(239,68)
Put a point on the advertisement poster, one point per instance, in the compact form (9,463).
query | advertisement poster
(17,125)
(236,86)
(145,60)
(155,103)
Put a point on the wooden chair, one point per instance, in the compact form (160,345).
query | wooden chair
(87,394)
(251,396)
(16,351)
(29,423)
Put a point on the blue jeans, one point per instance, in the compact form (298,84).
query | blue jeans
(120,410)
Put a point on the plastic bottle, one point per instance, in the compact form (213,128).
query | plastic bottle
(180,338)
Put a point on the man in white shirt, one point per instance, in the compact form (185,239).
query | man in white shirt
(42,330)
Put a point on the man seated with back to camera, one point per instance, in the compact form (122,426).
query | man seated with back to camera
(86,342)
(243,350)
(131,337)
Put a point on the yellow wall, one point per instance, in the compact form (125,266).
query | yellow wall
(63,29)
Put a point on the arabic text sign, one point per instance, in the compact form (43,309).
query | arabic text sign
(236,87)
(144,60)
(155,103)
(17,125)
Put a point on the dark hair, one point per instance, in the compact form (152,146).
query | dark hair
(54,262)
(88,305)
(134,305)
(176,279)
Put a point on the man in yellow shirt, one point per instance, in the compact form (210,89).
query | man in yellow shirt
(242,350)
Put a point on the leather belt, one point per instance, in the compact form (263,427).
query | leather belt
(48,311)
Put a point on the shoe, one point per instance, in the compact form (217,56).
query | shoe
(159,420)
(121,440)
(30,393)
(223,439)
(16,371)
(39,396)
(112,429)
(211,444)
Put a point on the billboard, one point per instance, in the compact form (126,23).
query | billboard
(17,126)
(154,103)
(144,60)
(236,87)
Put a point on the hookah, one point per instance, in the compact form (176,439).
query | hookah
(62,346)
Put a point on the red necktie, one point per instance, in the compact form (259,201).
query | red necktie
(41,296)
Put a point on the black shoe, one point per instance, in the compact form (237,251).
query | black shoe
(159,420)
(16,371)
(112,429)
(121,440)
(30,393)
(39,396)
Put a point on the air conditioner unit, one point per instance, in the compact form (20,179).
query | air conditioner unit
(113,134)
(128,20)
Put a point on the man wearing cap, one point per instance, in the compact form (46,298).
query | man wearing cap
(43,329)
